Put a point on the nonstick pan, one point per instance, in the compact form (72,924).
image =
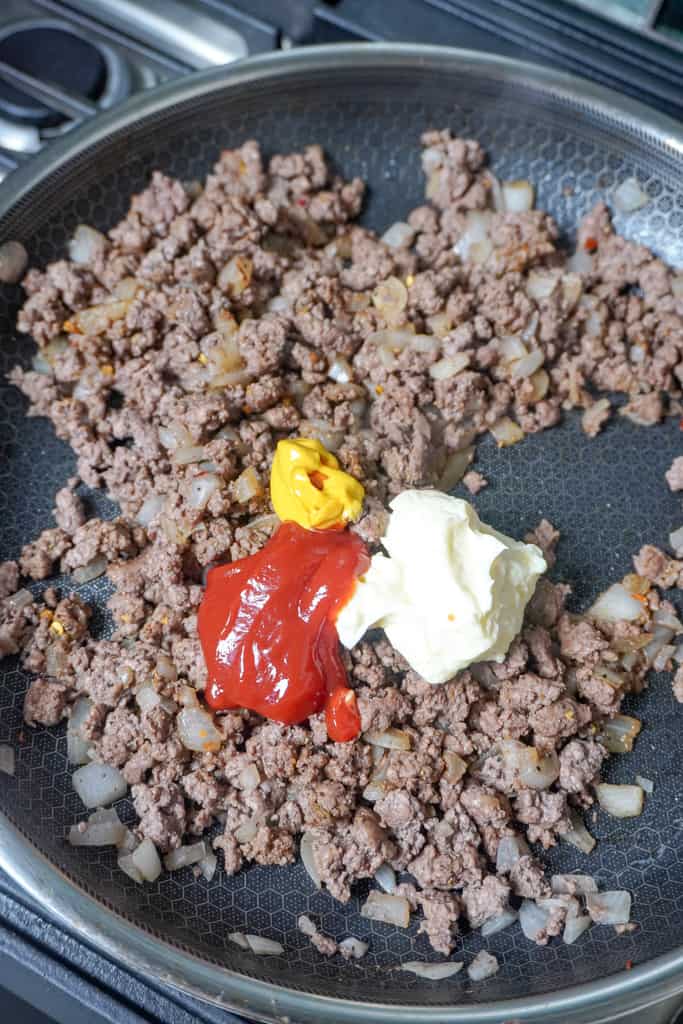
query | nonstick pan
(367,106)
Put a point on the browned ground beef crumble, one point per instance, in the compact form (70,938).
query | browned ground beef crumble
(223,318)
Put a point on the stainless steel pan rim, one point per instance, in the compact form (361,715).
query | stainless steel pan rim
(606,999)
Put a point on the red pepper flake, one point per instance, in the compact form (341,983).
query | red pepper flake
(680,424)
(591,244)
(302,201)
(628,965)
(317,479)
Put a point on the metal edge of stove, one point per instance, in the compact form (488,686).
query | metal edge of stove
(570,38)
(53,971)
(647,984)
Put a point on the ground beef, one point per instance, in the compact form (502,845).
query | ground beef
(252,293)
(474,482)
(9,579)
(652,563)
(68,512)
(45,703)
(37,559)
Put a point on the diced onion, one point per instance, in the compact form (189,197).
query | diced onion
(439,324)
(477,225)
(629,196)
(456,467)
(235,277)
(496,192)
(7,760)
(661,662)
(533,919)
(40,365)
(479,252)
(511,347)
(385,876)
(86,244)
(201,489)
(147,861)
(390,298)
(374,791)
(352,947)
(578,835)
(387,908)
(188,454)
(95,568)
(264,947)
(249,778)
(540,382)
(646,784)
(174,436)
(103,828)
(574,928)
(150,509)
(125,862)
(666,617)
(609,907)
(496,924)
(581,262)
(572,287)
(455,766)
(518,196)
(340,370)
(616,605)
(572,885)
(432,158)
(619,733)
(308,860)
(528,365)
(127,843)
(239,939)
(99,784)
(56,660)
(510,849)
(13,262)
(184,856)
(448,367)
(484,965)
(433,971)
(196,729)
(208,865)
(399,235)
(507,432)
(391,739)
(330,437)
(247,486)
(426,343)
(247,830)
(620,801)
(126,288)
(534,771)
(305,925)
(99,319)
(541,283)
(76,747)
(661,636)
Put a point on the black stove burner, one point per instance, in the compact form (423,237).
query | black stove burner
(52,55)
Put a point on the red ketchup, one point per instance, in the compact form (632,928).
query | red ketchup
(267,628)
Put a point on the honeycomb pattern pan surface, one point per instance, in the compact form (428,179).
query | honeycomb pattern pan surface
(367,106)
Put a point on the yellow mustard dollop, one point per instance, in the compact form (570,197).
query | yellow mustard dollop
(308,487)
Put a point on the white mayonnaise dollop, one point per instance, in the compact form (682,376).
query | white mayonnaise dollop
(452,591)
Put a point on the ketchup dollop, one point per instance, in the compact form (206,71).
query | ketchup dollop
(267,628)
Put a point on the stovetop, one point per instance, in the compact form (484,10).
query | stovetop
(63,62)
